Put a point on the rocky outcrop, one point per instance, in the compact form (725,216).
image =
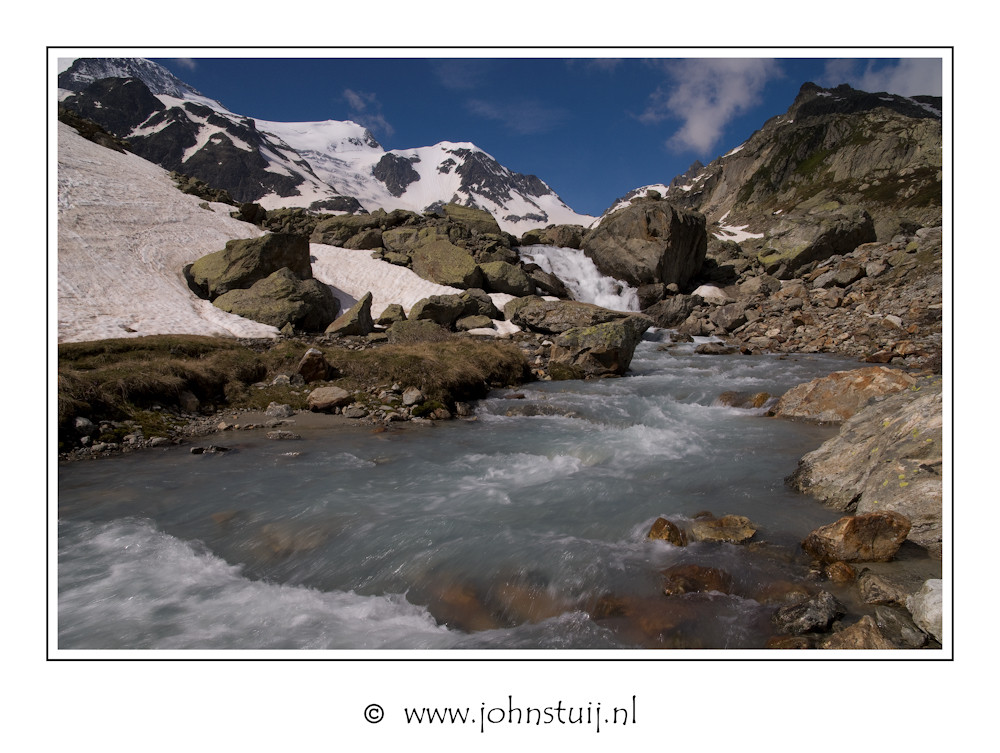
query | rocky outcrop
(837,397)
(648,242)
(887,457)
(281,299)
(245,261)
(814,236)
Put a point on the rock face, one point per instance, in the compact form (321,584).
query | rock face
(871,537)
(835,398)
(818,235)
(649,242)
(887,457)
(245,261)
(282,298)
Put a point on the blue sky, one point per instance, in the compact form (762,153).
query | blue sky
(592,128)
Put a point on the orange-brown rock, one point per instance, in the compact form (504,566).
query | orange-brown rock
(664,530)
(837,397)
(863,634)
(871,537)
(840,572)
(734,529)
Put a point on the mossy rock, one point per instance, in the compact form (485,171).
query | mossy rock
(446,264)
(282,298)
(246,261)
(336,231)
(502,277)
(478,220)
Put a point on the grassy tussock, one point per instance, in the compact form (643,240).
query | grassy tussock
(122,379)
(449,370)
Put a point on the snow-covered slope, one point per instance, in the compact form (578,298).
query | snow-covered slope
(125,233)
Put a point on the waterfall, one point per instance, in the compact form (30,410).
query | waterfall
(582,277)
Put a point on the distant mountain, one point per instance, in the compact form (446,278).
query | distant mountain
(334,166)
(833,147)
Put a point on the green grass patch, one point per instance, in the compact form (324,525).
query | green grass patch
(124,379)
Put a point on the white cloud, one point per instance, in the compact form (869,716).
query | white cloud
(188,63)
(706,95)
(908,77)
(366,110)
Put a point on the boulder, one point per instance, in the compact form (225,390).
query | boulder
(819,234)
(442,262)
(841,275)
(467,323)
(837,397)
(390,315)
(444,310)
(282,298)
(356,321)
(337,231)
(324,399)
(596,351)
(926,606)
(663,530)
(246,261)
(501,277)
(813,615)
(546,282)
(887,457)
(863,634)
(478,220)
(314,367)
(556,317)
(734,529)
(729,317)
(672,311)
(649,242)
(872,537)
(896,625)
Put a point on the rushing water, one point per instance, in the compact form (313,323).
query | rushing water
(582,277)
(510,531)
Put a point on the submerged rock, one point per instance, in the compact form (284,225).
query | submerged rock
(734,529)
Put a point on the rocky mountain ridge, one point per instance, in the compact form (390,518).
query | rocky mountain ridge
(330,166)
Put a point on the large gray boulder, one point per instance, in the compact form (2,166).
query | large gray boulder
(282,298)
(246,261)
(502,277)
(926,606)
(600,350)
(649,242)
